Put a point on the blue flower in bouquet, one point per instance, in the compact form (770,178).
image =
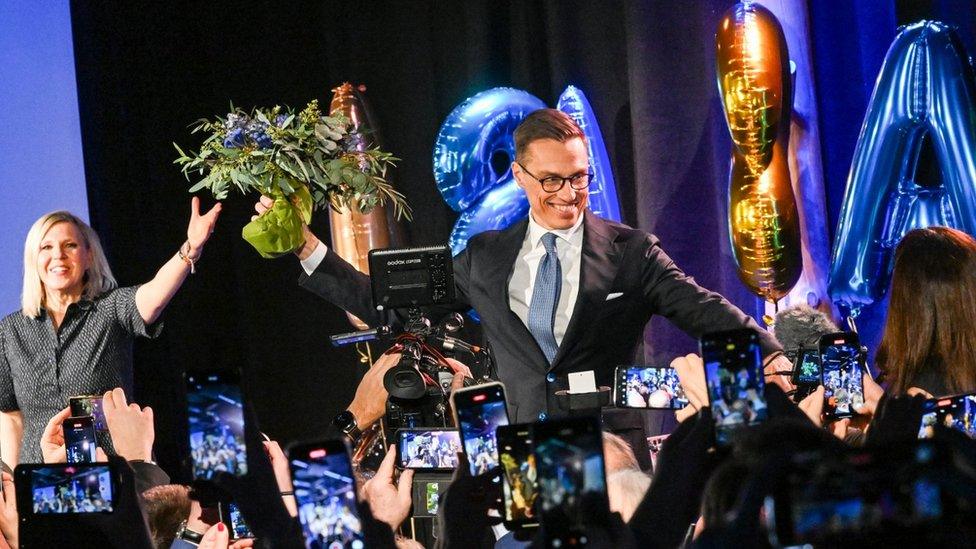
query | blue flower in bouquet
(354,142)
(280,120)
(235,139)
(258,132)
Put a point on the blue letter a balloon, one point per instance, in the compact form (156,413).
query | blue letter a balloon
(925,89)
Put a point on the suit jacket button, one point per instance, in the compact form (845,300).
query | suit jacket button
(543,416)
(551,378)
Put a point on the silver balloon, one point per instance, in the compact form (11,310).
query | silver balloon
(603,190)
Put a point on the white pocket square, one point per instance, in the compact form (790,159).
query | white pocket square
(614,295)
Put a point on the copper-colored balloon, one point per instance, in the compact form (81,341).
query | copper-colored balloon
(354,234)
(752,62)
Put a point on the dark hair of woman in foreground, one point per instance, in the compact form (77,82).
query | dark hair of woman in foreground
(929,341)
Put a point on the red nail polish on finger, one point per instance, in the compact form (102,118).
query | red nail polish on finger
(220,526)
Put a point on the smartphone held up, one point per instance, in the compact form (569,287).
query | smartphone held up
(79,439)
(325,490)
(480,411)
(843,375)
(648,388)
(734,377)
(215,415)
(428,449)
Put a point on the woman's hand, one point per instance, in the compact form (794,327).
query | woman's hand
(279,464)
(217,537)
(153,296)
(200,227)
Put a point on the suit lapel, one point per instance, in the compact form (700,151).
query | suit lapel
(598,268)
(507,245)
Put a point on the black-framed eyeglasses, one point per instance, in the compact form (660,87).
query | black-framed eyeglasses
(554,183)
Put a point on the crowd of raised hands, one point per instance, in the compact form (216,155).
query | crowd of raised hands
(701,494)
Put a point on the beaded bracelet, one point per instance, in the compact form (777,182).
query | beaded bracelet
(186,257)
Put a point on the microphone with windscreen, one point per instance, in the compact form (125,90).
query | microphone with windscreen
(799,329)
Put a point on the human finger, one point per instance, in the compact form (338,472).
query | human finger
(405,485)
(118,397)
(385,470)
(217,537)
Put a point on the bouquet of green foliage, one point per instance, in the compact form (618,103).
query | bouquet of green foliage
(303,161)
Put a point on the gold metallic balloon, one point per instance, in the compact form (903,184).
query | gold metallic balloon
(354,234)
(754,81)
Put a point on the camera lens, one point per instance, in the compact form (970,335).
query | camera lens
(404,382)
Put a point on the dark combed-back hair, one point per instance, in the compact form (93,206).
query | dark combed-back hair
(931,325)
(545,124)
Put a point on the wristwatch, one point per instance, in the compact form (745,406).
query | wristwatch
(346,422)
(186,534)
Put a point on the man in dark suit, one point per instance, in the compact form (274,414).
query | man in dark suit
(560,291)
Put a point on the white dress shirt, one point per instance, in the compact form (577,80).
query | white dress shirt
(310,263)
(569,248)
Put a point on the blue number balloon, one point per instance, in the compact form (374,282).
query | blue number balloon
(925,89)
(476,130)
(603,190)
(481,128)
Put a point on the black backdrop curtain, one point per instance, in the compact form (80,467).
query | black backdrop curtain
(147,70)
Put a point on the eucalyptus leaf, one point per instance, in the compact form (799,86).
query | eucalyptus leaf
(199,186)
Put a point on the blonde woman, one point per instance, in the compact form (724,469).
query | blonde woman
(74,333)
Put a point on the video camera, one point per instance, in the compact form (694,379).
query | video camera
(404,281)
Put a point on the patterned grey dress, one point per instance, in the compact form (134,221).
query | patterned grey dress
(90,353)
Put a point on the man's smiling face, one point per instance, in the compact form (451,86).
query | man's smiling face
(546,158)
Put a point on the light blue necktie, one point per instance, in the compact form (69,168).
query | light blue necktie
(545,297)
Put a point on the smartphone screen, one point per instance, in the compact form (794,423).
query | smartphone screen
(828,498)
(648,388)
(840,357)
(89,405)
(733,372)
(518,464)
(215,412)
(325,490)
(808,368)
(571,477)
(79,439)
(480,410)
(958,412)
(428,449)
(73,488)
(235,521)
